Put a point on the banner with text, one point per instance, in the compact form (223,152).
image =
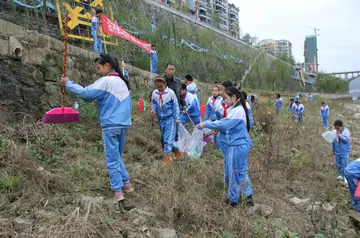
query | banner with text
(110,27)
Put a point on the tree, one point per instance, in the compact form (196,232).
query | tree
(284,57)
(248,39)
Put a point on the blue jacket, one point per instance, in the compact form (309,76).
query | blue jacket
(95,25)
(354,168)
(214,109)
(192,88)
(234,126)
(112,99)
(341,145)
(324,111)
(251,118)
(278,103)
(300,110)
(153,55)
(291,108)
(165,104)
(192,106)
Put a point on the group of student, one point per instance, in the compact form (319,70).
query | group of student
(228,115)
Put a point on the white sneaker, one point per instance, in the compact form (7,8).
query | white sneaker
(345,181)
(339,177)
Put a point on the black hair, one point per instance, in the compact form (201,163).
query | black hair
(183,86)
(227,84)
(252,98)
(297,101)
(189,77)
(322,103)
(169,63)
(114,63)
(291,99)
(245,94)
(339,123)
(153,46)
(231,91)
(98,10)
(278,95)
(216,82)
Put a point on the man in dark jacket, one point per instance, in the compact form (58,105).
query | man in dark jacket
(172,82)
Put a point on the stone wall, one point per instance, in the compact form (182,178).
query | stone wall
(31,65)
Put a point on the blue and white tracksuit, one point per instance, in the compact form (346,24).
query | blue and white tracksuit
(310,98)
(192,109)
(235,161)
(251,119)
(114,105)
(324,113)
(221,136)
(291,108)
(352,175)
(300,111)
(154,61)
(341,148)
(278,104)
(193,89)
(214,111)
(167,109)
(95,25)
(297,97)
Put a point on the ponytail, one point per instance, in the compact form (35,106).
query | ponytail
(122,76)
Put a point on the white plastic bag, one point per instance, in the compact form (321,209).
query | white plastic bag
(329,136)
(183,138)
(196,144)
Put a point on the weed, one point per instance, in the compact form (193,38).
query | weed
(9,183)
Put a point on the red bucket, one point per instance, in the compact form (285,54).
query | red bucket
(202,110)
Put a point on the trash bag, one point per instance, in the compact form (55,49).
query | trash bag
(183,138)
(329,136)
(196,144)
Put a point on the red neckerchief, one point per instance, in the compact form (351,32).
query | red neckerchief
(225,107)
(189,83)
(340,132)
(161,102)
(113,74)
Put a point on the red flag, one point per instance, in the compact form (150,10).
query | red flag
(110,27)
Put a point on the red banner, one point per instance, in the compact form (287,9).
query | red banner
(111,28)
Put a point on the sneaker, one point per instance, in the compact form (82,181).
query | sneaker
(166,161)
(178,154)
(234,204)
(250,201)
(119,196)
(128,188)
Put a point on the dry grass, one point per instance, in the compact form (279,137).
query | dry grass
(55,166)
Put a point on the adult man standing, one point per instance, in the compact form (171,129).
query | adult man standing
(172,82)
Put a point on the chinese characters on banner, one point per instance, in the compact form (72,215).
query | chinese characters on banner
(110,27)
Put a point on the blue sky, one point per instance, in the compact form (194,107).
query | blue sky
(338,21)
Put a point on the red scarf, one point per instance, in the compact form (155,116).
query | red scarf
(161,102)
(339,133)
(113,74)
(225,107)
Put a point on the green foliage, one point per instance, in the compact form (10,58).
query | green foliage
(285,232)
(8,183)
(286,58)
(331,84)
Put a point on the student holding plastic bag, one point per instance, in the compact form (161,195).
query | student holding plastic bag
(352,175)
(191,111)
(165,106)
(214,110)
(236,126)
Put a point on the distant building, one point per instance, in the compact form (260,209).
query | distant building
(354,88)
(234,26)
(310,53)
(276,47)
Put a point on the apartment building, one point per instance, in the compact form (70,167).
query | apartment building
(276,47)
(234,26)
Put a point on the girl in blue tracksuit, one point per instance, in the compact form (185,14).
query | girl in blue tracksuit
(95,31)
(191,87)
(352,176)
(278,103)
(113,100)
(324,113)
(214,110)
(292,106)
(310,97)
(191,109)
(165,105)
(341,148)
(236,126)
(300,112)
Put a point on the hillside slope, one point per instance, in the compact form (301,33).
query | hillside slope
(54,179)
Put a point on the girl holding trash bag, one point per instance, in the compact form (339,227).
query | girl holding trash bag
(236,125)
